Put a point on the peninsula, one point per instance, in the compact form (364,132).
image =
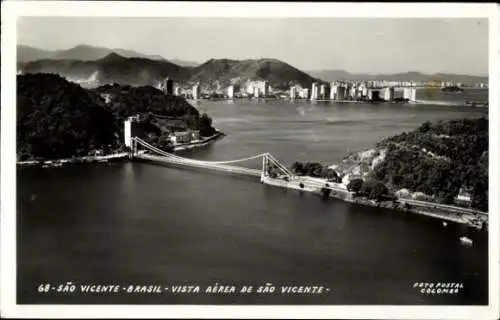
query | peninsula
(58,119)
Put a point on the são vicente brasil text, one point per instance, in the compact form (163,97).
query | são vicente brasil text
(215,289)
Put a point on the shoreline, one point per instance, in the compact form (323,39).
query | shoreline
(479,104)
(206,141)
(121,156)
(74,160)
(340,192)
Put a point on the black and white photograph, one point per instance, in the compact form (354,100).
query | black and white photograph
(212,158)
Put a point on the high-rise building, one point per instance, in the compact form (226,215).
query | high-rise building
(410,94)
(256,92)
(196,92)
(352,91)
(230,91)
(177,91)
(263,87)
(304,94)
(333,91)
(388,94)
(341,92)
(322,92)
(314,91)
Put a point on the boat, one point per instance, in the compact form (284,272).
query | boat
(454,89)
(466,241)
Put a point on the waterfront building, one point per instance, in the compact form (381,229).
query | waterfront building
(464,196)
(264,88)
(256,92)
(359,90)
(314,91)
(196,92)
(177,91)
(398,93)
(333,91)
(341,92)
(195,135)
(324,92)
(352,91)
(374,94)
(349,177)
(388,94)
(181,137)
(410,94)
(230,91)
(304,94)
(293,92)
(370,94)
(365,92)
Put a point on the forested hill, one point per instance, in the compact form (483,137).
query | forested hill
(59,119)
(439,159)
(115,68)
(226,71)
(125,101)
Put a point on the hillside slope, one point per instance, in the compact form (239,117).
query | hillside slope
(438,159)
(58,119)
(110,69)
(226,71)
(115,68)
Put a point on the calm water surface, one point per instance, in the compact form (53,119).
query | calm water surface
(136,223)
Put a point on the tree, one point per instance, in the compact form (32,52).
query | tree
(192,121)
(379,191)
(298,168)
(205,125)
(331,175)
(325,192)
(272,170)
(425,127)
(374,189)
(355,185)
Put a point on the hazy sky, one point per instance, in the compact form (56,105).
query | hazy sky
(353,44)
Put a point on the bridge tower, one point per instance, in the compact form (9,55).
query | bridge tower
(265,163)
(127,135)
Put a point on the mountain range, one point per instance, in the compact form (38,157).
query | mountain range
(87,64)
(87,53)
(138,71)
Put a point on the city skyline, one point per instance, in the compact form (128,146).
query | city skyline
(357,45)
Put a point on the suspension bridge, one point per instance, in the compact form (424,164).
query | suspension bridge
(271,172)
(158,155)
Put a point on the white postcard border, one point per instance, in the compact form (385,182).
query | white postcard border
(13,9)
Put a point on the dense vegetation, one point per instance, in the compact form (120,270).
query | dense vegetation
(315,169)
(439,159)
(125,101)
(58,119)
(372,189)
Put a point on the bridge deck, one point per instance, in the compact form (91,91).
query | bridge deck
(220,167)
